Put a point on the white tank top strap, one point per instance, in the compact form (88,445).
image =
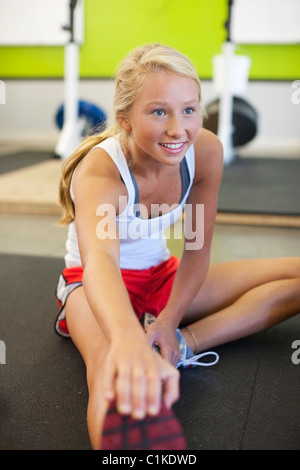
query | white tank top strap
(113,148)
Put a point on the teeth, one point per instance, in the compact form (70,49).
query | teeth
(172,146)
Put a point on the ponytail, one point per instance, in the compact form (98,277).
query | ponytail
(68,168)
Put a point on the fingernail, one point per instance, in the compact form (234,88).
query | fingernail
(153,410)
(125,409)
(139,414)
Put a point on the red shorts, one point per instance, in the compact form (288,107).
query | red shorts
(148,289)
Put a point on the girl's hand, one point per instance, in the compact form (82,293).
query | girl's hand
(138,378)
(162,335)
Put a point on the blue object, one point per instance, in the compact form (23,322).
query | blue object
(94,115)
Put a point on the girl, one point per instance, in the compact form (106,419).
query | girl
(119,191)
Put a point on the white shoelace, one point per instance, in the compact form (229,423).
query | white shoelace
(194,360)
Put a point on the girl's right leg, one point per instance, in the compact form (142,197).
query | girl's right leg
(93,347)
(240,298)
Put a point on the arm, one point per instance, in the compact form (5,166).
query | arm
(127,375)
(194,262)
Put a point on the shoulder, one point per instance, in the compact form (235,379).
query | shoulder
(208,143)
(97,163)
(102,158)
(208,156)
(97,177)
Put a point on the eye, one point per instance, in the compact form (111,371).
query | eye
(158,112)
(189,110)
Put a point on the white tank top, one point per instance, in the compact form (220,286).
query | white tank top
(142,241)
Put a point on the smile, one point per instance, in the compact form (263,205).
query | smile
(173,146)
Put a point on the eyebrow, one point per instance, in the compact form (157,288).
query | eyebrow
(163,103)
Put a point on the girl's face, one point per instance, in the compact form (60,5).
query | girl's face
(164,119)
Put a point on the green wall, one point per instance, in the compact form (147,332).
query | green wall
(114,27)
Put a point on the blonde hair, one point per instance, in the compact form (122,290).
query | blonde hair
(150,58)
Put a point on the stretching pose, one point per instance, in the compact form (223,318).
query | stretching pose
(122,295)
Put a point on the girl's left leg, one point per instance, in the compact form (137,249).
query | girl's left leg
(93,347)
(242,298)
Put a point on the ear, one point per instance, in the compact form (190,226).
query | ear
(124,122)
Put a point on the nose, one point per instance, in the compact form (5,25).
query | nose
(175,127)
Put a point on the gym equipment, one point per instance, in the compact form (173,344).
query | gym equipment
(93,115)
(244,119)
(231,117)
(74,117)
